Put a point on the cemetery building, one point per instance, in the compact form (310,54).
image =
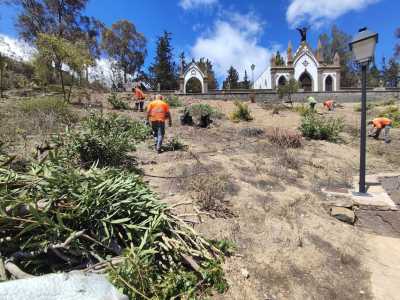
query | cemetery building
(306,66)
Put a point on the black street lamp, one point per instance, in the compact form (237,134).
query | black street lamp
(363,47)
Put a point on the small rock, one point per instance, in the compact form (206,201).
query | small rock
(245,273)
(343,214)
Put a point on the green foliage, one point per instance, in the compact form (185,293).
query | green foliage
(288,89)
(302,109)
(279,61)
(227,247)
(61,52)
(200,110)
(175,145)
(319,128)
(48,106)
(163,70)
(117,103)
(393,113)
(232,80)
(105,141)
(357,107)
(241,112)
(126,46)
(174,101)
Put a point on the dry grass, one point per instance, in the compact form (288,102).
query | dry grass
(285,138)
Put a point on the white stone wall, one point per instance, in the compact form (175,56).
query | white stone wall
(264,81)
(307,62)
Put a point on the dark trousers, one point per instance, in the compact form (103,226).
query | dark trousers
(139,105)
(158,133)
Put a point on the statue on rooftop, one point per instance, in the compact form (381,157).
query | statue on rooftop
(303,33)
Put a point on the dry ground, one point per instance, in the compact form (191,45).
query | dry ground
(235,186)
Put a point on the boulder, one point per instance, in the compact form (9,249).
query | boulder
(65,286)
(343,214)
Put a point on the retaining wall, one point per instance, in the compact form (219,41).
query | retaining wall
(342,96)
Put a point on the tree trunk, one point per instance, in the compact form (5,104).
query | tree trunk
(70,89)
(125,76)
(1,82)
(62,82)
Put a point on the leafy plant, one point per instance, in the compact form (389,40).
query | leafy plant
(57,217)
(393,113)
(203,113)
(105,141)
(288,89)
(317,128)
(117,103)
(175,144)
(174,101)
(241,112)
(302,109)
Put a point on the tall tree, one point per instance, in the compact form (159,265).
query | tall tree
(245,84)
(182,61)
(397,47)
(54,50)
(390,73)
(55,17)
(126,46)
(338,42)
(3,65)
(206,66)
(163,71)
(232,80)
(279,61)
(374,76)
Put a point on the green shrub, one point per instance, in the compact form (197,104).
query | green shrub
(199,110)
(106,140)
(302,109)
(48,106)
(393,113)
(370,106)
(117,103)
(175,145)
(241,112)
(174,101)
(318,128)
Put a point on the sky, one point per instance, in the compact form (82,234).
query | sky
(236,32)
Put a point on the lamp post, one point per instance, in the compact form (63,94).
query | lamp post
(363,48)
(253,66)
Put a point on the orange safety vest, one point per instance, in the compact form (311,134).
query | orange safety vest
(328,104)
(158,111)
(381,122)
(139,95)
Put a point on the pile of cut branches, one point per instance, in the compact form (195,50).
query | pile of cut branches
(59,218)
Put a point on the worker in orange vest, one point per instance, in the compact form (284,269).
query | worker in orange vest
(139,97)
(329,104)
(157,113)
(377,125)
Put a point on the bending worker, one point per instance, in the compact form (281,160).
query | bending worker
(329,104)
(377,125)
(139,98)
(312,102)
(157,113)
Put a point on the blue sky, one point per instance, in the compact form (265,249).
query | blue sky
(240,33)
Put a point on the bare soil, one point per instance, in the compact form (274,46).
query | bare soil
(268,202)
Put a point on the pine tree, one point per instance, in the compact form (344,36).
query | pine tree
(279,61)
(232,80)
(163,71)
(205,64)
(391,72)
(246,83)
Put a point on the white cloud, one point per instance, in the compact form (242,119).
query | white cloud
(234,41)
(16,48)
(319,11)
(191,4)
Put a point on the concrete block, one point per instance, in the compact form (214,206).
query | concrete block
(65,286)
